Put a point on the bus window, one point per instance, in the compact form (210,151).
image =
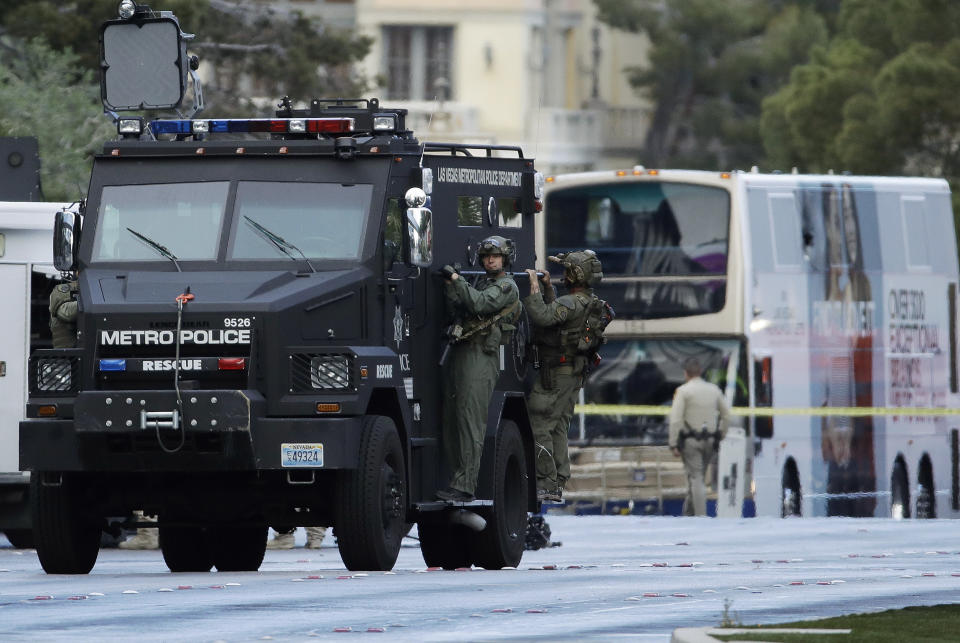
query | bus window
(952,314)
(763,396)
(663,245)
(786,232)
(647,372)
(915,232)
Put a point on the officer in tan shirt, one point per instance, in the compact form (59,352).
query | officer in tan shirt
(698,421)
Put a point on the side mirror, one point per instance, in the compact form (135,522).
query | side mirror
(66,241)
(420,234)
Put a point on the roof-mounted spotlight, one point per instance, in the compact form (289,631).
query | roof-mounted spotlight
(130,127)
(384,122)
(126,9)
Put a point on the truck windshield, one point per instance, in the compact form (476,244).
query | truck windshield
(187,218)
(323,220)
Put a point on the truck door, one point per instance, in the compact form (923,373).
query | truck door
(14,344)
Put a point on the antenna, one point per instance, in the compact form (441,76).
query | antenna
(423,144)
(536,135)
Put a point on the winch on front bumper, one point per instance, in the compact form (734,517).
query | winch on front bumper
(209,430)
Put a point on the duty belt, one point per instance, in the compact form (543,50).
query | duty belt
(702,434)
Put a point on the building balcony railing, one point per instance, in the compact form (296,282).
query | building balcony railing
(582,137)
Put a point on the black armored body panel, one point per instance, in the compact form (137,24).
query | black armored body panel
(259,338)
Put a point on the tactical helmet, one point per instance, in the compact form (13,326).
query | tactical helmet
(581,267)
(497,245)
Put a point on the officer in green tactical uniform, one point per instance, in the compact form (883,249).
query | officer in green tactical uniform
(557,328)
(63,315)
(484,318)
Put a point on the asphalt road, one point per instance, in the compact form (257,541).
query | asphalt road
(613,577)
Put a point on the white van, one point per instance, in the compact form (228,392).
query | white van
(26,279)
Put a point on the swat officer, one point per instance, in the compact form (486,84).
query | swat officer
(484,317)
(557,328)
(63,314)
(698,421)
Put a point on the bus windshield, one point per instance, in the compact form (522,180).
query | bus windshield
(663,245)
(646,372)
(268,220)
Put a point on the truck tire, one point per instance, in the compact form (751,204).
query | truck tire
(238,549)
(501,543)
(66,536)
(186,549)
(20,538)
(445,544)
(372,500)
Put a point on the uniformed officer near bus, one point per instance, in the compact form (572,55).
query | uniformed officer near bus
(698,421)
(557,327)
(483,320)
(63,314)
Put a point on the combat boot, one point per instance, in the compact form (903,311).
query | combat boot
(545,495)
(315,537)
(281,541)
(145,538)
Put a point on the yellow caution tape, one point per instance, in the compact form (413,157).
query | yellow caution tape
(846,411)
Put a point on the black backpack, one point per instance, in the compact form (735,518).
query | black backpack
(598,317)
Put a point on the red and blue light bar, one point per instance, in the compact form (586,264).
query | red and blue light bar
(187,126)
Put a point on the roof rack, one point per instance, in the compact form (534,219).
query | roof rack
(464,148)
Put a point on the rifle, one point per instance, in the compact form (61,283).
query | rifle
(451,334)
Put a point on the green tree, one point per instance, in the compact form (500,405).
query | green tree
(246,49)
(711,65)
(44,93)
(878,98)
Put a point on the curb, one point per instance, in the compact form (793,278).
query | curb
(705,634)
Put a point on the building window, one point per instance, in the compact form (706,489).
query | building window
(418,62)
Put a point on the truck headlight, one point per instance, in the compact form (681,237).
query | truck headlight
(330,372)
(54,374)
(312,372)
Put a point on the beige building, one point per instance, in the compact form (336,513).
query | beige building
(542,74)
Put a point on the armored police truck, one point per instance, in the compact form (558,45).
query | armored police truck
(260,332)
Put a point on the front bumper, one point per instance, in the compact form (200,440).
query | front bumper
(223,430)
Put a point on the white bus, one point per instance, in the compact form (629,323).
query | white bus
(823,305)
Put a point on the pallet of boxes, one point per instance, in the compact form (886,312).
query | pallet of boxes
(645,480)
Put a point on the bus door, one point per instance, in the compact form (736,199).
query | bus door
(762,425)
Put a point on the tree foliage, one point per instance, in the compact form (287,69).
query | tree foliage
(711,65)
(49,66)
(246,49)
(879,97)
(43,93)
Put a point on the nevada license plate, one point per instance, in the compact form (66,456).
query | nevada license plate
(301,455)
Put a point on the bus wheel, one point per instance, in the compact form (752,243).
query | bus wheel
(238,549)
(445,544)
(790,496)
(926,502)
(67,538)
(372,500)
(501,543)
(899,493)
(20,538)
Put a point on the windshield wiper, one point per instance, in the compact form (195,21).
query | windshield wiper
(163,250)
(281,243)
